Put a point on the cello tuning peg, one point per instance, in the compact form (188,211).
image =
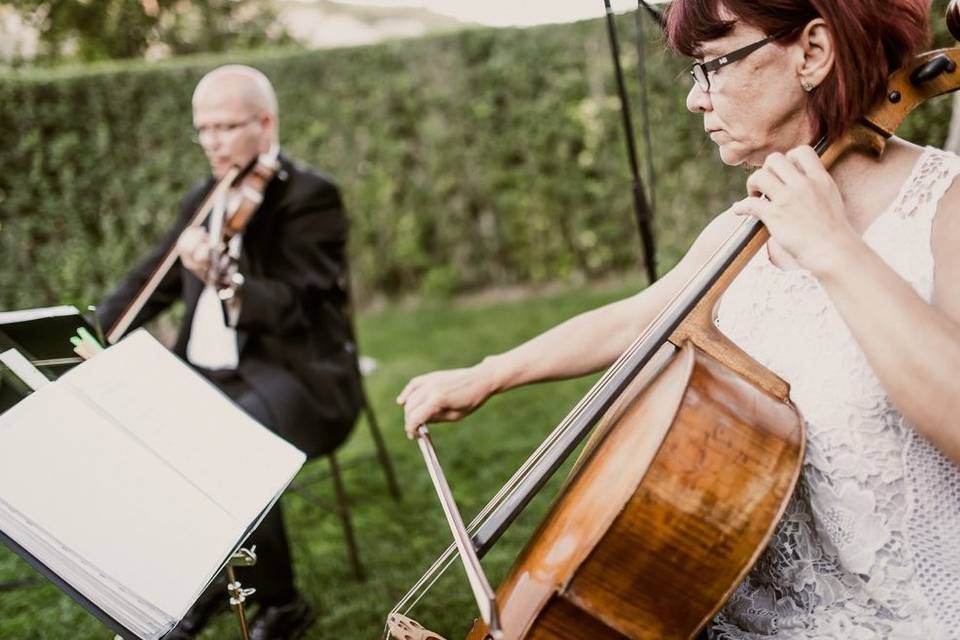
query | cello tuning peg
(953,18)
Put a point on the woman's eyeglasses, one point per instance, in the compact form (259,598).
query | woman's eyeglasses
(700,71)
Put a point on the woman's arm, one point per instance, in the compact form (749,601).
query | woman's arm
(912,346)
(581,345)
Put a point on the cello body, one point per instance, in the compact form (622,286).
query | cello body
(666,513)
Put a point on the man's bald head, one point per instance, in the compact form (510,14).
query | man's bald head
(236,82)
(235,116)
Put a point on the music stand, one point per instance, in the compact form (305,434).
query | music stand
(43,337)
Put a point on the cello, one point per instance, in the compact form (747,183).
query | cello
(695,453)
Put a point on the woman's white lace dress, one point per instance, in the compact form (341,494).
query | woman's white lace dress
(869,546)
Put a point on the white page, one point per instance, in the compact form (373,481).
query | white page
(134,613)
(88,483)
(142,469)
(9,317)
(189,423)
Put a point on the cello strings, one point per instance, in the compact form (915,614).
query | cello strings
(523,472)
(700,281)
(434,572)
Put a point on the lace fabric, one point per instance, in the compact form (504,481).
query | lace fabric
(869,546)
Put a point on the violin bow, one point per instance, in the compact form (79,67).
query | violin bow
(133,309)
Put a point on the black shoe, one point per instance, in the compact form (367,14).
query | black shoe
(211,602)
(282,622)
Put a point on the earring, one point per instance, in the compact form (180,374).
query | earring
(807,85)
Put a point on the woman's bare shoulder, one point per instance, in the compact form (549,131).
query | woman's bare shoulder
(898,162)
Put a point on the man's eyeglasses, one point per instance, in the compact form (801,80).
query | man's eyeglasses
(204,132)
(700,71)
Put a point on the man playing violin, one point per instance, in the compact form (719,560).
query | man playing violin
(270,329)
(853,301)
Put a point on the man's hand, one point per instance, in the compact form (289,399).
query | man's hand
(194,250)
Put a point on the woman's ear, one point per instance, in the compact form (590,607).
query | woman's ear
(816,44)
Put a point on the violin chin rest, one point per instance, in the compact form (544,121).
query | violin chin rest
(401,627)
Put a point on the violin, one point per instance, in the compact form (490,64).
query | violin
(695,452)
(232,220)
(238,194)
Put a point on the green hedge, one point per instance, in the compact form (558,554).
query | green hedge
(485,157)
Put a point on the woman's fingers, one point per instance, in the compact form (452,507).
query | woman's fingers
(420,383)
(754,206)
(410,388)
(764,182)
(413,418)
(441,396)
(421,410)
(806,160)
(786,175)
(420,400)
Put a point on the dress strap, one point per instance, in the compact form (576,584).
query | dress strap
(933,174)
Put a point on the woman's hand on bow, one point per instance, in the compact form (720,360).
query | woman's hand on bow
(445,396)
(798,201)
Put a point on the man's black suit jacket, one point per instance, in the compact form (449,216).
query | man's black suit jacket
(295,338)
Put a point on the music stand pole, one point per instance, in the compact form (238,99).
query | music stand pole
(238,595)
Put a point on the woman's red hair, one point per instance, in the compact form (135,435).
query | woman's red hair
(872,38)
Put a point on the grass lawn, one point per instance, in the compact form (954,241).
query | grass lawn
(398,540)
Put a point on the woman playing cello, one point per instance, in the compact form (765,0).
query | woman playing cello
(853,301)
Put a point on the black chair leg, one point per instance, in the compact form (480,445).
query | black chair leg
(21,583)
(343,507)
(382,454)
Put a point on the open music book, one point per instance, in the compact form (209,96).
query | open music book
(133,480)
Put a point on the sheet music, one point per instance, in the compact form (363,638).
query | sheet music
(110,499)
(131,478)
(213,438)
